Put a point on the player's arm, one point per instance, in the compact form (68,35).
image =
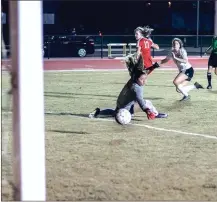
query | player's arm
(184,58)
(142,102)
(138,52)
(165,60)
(155,46)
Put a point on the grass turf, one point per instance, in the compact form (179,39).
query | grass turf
(101,160)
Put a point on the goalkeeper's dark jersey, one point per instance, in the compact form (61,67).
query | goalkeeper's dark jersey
(214,45)
(131,93)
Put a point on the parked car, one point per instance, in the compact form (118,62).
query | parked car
(68,46)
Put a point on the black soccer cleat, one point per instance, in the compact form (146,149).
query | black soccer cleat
(209,87)
(198,86)
(94,113)
(161,115)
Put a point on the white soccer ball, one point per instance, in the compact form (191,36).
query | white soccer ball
(123,116)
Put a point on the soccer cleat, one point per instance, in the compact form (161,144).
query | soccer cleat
(95,113)
(197,85)
(185,98)
(161,115)
(209,87)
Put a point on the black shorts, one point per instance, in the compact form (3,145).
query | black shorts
(189,73)
(212,60)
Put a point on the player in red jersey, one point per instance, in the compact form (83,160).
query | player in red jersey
(144,45)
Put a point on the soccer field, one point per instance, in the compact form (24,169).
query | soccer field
(97,159)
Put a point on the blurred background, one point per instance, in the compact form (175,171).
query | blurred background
(85,28)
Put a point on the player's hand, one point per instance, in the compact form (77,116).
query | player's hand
(150,115)
(156,65)
(173,55)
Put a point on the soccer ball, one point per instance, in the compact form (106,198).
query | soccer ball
(123,116)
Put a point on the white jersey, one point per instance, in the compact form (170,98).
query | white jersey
(182,54)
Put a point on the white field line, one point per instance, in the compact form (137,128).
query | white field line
(116,58)
(145,126)
(111,70)
(163,129)
(165,68)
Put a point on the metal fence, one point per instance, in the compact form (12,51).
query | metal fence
(195,45)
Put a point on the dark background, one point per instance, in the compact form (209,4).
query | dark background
(122,17)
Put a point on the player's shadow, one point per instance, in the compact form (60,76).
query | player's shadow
(75,95)
(73,115)
(70,132)
(177,105)
(134,119)
(72,95)
(167,86)
(213,91)
(65,114)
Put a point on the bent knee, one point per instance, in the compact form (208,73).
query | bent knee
(175,82)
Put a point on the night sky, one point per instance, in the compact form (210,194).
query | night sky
(121,17)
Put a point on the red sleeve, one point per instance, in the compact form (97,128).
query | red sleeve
(150,42)
(140,42)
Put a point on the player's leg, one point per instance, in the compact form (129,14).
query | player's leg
(215,70)
(209,77)
(181,84)
(104,112)
(209,71)
(179,80)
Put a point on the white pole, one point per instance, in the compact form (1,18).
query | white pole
(215,19)
(28,100)
(198,22)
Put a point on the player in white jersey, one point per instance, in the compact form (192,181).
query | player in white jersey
(186,71)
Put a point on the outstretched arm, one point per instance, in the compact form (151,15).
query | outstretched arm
(142,103)
(155,46)
(138,52)
(165,60)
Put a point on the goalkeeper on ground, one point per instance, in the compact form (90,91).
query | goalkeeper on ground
(131,98)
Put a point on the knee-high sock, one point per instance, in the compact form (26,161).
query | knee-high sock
(182,90)
(188,88)
(209,78)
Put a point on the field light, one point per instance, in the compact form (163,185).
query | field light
(169,4)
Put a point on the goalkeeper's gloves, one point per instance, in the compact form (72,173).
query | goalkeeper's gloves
(150,115)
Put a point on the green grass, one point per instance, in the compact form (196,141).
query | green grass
(101,160)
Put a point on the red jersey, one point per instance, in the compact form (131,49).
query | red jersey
(145,45)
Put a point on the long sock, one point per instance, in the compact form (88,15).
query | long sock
(132,109)
(209,78)
(182,90)
(107,112)
(188,88)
